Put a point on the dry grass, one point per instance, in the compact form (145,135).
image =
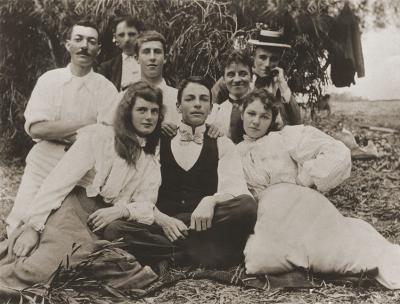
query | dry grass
(372,193)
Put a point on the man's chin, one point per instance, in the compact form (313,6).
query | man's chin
(196,122)
(84,62)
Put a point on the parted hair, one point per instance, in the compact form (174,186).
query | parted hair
(126,141)
(147,36)
(268,100)
(86,22)
(192,79)
(238,57)
(131,21)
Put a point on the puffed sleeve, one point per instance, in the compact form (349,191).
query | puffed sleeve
(62,179)
(322,161)
(141,206)
(40,106)
(231,178)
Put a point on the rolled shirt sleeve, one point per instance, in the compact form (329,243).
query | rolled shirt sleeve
(322,161)
(40,106)
(231,178)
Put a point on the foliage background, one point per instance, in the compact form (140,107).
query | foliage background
(199,33)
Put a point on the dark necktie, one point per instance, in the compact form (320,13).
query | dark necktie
(262,82)
(236,124)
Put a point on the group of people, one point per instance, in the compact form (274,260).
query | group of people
(176,175)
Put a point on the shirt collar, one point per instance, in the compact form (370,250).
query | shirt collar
(231,97)
(88,80)
(162,84)
(142,141)
(125,56)
(198,131)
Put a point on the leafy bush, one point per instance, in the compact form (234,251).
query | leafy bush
(199,33)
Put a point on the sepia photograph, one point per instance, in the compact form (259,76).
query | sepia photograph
(199,151)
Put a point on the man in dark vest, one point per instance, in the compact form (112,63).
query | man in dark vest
(204,213)
(123,69)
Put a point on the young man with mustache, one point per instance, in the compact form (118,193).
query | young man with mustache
(63,101)
(204,211)
(123,69)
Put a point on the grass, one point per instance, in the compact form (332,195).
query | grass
(372,193)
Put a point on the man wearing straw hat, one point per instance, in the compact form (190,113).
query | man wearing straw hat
(268,50)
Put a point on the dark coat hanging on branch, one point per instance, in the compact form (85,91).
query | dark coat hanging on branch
(346,55)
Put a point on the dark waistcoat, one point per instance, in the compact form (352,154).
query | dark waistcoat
(181,191)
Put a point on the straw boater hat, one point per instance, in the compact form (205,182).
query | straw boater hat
(270,38)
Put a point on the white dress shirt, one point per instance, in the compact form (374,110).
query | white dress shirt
(170,97)
(230,173)
(59,95)
(130,70)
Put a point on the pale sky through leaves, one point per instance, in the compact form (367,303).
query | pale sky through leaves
(381,48)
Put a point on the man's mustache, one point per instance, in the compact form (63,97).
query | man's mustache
(84,52)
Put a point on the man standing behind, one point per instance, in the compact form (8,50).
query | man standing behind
(204,213)
(63,101)
(123,69)
(150,52)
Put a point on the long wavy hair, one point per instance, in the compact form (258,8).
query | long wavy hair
(269,102)
(126,142)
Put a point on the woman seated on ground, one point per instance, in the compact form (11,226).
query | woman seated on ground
(297,226)
(120,175)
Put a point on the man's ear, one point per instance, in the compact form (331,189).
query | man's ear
(178,106)
(241,115)
(114,40)
(67,44)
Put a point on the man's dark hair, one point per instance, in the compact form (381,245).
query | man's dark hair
(130,22)
(238,58)
(147,36)
(82,22)
(193,79)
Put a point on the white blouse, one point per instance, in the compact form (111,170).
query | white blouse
(93,163)
(299,154)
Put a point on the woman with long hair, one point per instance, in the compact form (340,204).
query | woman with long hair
(109,173)
(297,226)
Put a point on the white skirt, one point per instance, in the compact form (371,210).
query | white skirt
(298,227)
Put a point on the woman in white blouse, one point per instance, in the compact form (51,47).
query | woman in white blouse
(297,226)
(109,173)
